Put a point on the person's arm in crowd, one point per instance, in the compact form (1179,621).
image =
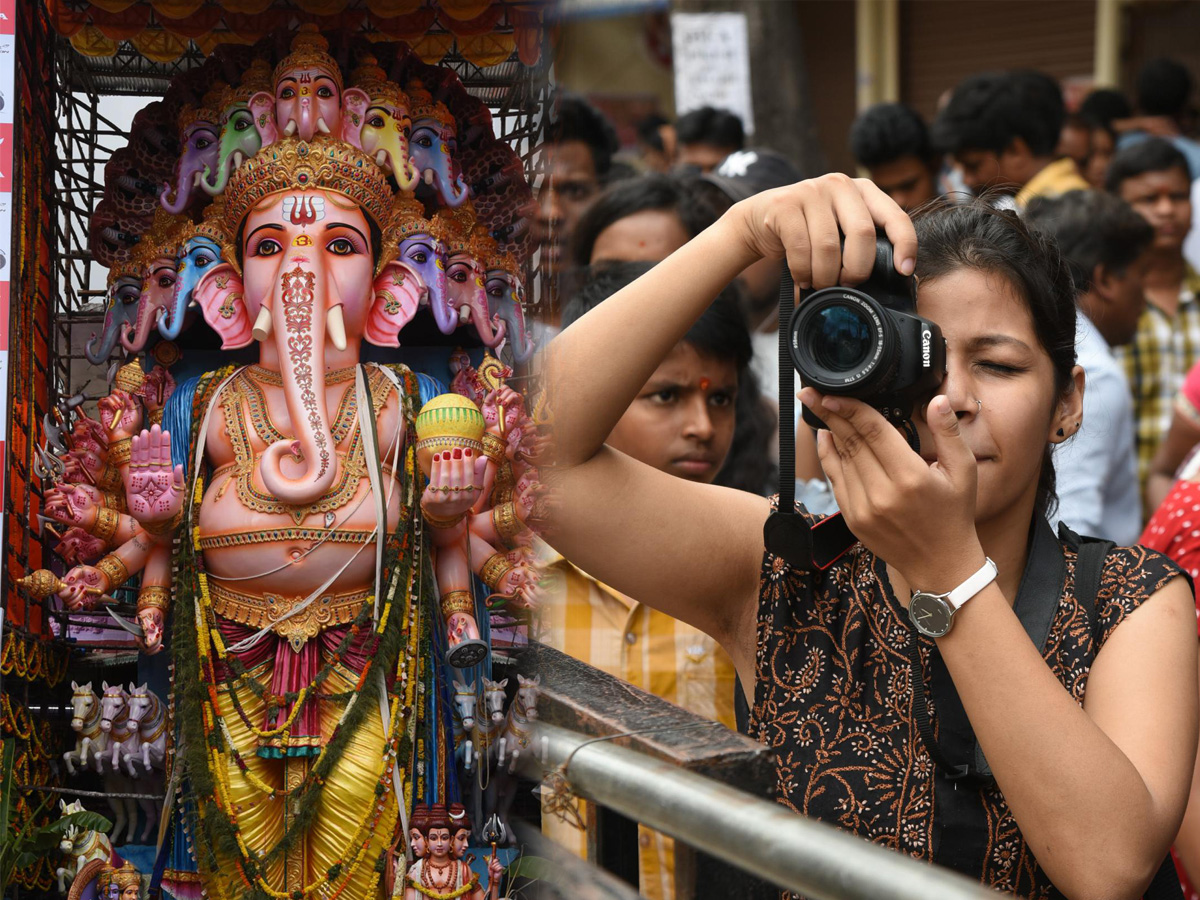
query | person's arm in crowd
(1187,842)
(1183,435)
(693,551)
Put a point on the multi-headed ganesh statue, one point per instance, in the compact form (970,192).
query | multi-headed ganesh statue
(319,542)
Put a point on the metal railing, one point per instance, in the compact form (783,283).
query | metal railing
(678,777)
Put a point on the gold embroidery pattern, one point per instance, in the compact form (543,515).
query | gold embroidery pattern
(261,611)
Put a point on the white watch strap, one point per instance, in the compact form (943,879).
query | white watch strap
(972,586)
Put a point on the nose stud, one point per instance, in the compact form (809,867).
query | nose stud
(978,407)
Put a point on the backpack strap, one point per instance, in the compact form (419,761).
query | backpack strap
(1089,571)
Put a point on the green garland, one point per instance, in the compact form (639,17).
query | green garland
(191,693)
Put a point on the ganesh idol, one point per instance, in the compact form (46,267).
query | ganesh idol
(308,535)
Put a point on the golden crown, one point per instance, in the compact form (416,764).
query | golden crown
(256,78)
(322,164)
(127,876)
(123,267)
(455,227)
(374,81)
(209,225)
(190,115)
(104,879)
(423,106)
(310,50)
(160,239)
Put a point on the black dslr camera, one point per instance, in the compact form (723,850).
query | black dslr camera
(867,342)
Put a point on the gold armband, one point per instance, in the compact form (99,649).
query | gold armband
(114,501)
(107,521)
(506,523)
(120,451)
(153,596)
(156,415)
(109,478)
(494,569)
(445,521)
(114,570)
(493,448)
(457,602)
(160,528)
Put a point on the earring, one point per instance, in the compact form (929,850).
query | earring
(1060,433)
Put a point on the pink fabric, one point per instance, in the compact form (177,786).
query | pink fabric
(1191,386)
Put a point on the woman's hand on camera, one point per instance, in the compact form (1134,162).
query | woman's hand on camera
(918,517)
(805,221)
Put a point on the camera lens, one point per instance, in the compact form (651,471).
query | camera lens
(841,338)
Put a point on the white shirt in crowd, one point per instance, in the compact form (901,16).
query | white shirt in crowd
(1096,469)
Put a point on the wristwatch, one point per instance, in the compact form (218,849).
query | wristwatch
(933,614)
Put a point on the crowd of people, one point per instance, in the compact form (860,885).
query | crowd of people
(1058,251)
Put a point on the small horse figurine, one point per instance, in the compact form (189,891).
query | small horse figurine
(149,714)
(85,719)
(464,721)
(486,733)
(114,721)
(79,847)
(521,715)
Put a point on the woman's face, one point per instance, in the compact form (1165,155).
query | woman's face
(647,236)
(993,356)
(682,420)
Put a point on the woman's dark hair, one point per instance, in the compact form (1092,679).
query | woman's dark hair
(634,195)
(1153,154)
(722,333)
(978,236)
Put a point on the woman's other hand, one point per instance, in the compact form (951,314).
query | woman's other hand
(805,221)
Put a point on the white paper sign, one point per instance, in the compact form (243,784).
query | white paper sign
(712,63)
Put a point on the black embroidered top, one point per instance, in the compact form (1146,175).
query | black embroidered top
(833,699)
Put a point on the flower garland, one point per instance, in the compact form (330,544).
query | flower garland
(33,659)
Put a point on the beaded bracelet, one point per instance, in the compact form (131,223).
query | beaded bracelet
(506,522)
(493,448)
(494,569)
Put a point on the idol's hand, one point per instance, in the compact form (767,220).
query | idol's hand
(156,390)
(461,627)
(917,516)
(495,872)
(151,620)
(73,504)
(504,398)
(802,222)
(82,586)
(153,487)
(455,483)
(120,414)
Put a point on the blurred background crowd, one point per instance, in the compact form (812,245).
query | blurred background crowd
(1080,115)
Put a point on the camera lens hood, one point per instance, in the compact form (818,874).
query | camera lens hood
(843,341)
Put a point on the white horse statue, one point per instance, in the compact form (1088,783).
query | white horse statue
(522,713)
(85,719)
(464,722)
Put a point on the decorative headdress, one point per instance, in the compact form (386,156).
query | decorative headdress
(455,228)
(309,50)
(423,106)
(292,164)
(190,115)
(104,880)
(210,225)
(127,876)
(256,78)
(374,81)
(160,239)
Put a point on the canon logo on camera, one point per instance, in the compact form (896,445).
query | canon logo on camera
(926,346)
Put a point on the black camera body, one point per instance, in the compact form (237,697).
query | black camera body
(867,342)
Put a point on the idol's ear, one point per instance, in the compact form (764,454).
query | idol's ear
(398,289)
(354,114)
(262,107)
(219,293)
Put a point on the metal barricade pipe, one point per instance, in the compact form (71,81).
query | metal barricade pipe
(756,835)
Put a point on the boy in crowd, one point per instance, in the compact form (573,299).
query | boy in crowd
(1106,245)
(1153,177)
(1003,128)
(891,142)
(580,144)
(705,136)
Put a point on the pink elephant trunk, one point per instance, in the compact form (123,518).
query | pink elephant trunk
(133,338)
(299,326)
(306,121)
(183,191)
(491,331)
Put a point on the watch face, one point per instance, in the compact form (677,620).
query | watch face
(930,614)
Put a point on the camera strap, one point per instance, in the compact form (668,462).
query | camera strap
(786,533)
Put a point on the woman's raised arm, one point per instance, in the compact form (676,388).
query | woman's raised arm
(691,550)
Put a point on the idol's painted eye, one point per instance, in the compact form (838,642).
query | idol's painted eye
(459,273)
(201,143)
(268,247)
(166,281)
(324,92)
(497,288)
(240,124)
(375,121)
(418,256)
(423,139)
(202,261)
(341,247)
(287,93)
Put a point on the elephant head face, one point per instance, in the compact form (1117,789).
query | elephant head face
(158,290)
(465,290)
(239,140)
(434,150)
(385,138)
(306,294)
(196,256)
(308,101)
(120,308)
(506,302)
(427,257)
(200,148)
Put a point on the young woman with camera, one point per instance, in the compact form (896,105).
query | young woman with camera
(1089,785)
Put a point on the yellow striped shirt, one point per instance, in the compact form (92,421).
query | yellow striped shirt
(661,655)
